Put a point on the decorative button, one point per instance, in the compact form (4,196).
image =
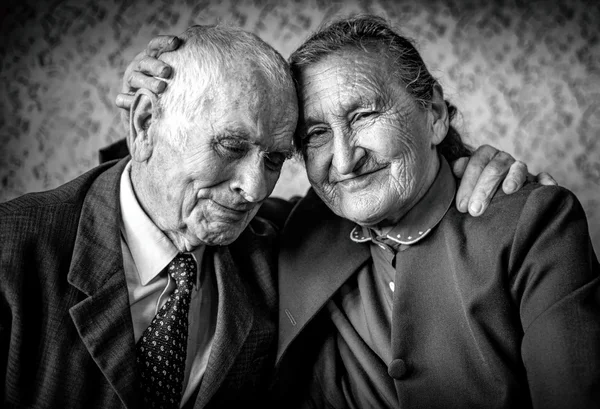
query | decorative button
(392,286)
(397,369)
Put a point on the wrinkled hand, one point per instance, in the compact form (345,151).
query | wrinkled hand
(482,173)
(141,72)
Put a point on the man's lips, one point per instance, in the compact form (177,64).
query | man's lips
(240,208)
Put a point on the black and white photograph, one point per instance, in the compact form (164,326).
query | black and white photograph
(300,204)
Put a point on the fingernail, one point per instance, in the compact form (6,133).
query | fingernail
(476,207)
(463,205)
(166,72)
(160,87)
(511,186)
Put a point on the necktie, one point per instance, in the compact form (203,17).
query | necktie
(161,350)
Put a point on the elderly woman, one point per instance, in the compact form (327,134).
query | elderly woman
(392,297)
(402,300)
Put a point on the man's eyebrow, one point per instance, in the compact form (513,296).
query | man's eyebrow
(240,133)
(235,132)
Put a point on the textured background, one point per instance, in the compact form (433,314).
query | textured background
(524,74)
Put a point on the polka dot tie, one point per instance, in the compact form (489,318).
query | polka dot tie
(161,350)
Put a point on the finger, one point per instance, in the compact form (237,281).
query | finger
(488,182)
(162,44)
(124,101)
(139,80)
(459,166)
(517,174)
(545,179)
(131,68)
(154,67)
(475,165)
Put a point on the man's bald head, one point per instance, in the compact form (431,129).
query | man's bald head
(211,55)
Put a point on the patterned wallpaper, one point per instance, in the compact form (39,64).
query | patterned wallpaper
(524,74)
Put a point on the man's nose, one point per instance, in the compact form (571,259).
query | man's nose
(250,180)
(347,154)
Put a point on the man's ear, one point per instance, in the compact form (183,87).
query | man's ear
(439,111)
(140,117)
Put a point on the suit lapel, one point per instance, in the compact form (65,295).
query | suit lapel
(235,317)
(315,259)
(103,317)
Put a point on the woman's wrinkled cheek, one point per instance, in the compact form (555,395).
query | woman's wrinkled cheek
(330,194)
(402,172)
(317,170)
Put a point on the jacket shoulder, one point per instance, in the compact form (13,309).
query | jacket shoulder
(534,194)
(68,194)
(526,208)
(43,223)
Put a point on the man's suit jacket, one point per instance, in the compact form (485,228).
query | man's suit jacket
(498,311)
(66,336)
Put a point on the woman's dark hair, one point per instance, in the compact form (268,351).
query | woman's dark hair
(371,33)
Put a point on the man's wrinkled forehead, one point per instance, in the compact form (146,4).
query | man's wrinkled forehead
(244,85)
(245,104)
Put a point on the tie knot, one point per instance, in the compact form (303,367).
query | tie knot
(183,269)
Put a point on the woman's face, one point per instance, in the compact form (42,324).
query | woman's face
(369,146)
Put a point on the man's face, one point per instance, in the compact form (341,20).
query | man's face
(367,144)
(210,181)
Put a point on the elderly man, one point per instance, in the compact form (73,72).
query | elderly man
(147,283)
(391,297)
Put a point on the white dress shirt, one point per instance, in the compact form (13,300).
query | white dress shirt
(146,252)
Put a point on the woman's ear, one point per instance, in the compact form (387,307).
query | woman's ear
(439,111)
(140,117)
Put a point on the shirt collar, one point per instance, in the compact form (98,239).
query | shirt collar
(150,248)
(423,217)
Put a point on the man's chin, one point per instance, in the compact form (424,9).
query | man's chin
(218,237)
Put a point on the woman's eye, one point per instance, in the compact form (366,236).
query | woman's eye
(317,133)
(362,115)
(315,138)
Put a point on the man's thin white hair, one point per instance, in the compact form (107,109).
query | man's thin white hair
(206,54)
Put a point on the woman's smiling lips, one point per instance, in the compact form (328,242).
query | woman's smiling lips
(357,181)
